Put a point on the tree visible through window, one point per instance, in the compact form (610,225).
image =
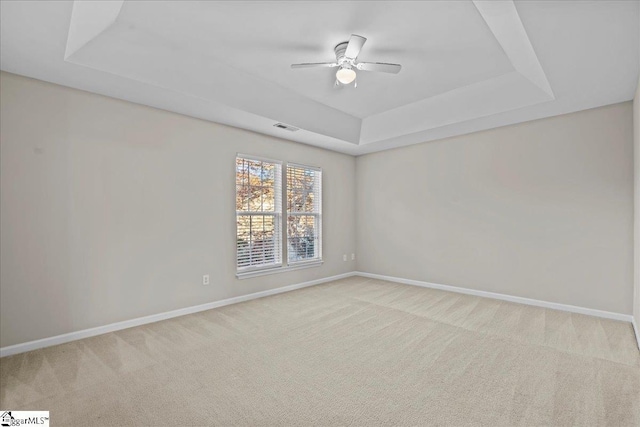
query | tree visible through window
(258,213)
(259,220)
(303,213)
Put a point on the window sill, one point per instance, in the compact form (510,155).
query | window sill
(275,270)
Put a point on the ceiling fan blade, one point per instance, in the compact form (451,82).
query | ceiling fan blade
(315,65)
(379,67)
(353,48)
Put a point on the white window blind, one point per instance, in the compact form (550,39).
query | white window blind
(304,213)
(258,213)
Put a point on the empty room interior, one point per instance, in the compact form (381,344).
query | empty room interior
(292,213)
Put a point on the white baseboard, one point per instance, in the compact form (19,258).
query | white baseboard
(636,330)
(86,333)
(521,300)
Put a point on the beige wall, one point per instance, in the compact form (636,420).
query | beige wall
(542,210)
(636,168)
(111,210)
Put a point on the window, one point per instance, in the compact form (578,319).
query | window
(258,213)
(260,225)
(304,193)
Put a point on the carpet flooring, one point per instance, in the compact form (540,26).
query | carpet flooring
(351,352)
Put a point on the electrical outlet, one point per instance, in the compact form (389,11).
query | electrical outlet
(205,279)
(353,256)
(344,257)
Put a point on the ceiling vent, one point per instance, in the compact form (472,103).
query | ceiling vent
(286,127)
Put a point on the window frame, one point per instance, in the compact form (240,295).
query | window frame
(277,214)
(284,264)
(317,215)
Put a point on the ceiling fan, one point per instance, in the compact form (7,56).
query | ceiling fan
(346,55)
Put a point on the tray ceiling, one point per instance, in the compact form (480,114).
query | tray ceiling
(467,65)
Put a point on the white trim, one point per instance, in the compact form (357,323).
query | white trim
(503,297)
(258,158)
(636,330)
(301,166)
(275,270)
(86,333)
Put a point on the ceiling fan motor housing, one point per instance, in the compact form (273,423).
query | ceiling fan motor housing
(347,64)
(340,49)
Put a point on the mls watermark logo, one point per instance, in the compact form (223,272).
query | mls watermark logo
(24,418)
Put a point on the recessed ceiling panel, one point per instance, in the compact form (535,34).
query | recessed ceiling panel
(452,54)
(442,45)
(126,50)
(467,65)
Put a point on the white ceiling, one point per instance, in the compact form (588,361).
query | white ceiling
(467,65)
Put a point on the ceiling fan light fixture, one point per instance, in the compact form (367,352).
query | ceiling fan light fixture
(346,57)
(345,75)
